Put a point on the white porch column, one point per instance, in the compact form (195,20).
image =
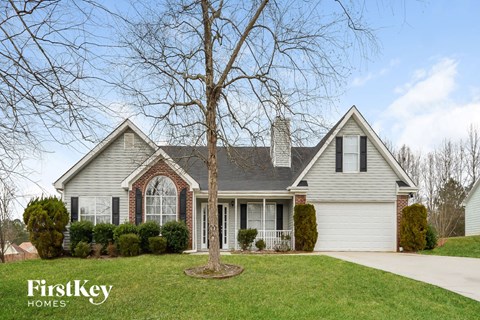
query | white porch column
(293,223)
(263,217)
(194,222)
(236,228)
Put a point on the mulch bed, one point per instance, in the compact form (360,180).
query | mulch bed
(226,271)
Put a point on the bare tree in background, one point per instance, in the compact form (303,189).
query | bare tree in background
(47,77)
(410,162)
(473,155)
(7,230)
(219,72)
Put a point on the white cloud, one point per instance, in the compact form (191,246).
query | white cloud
(425,113)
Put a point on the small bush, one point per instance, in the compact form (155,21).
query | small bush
(145,231)
(112,250)
(97,249)
(129,244)
(176,233)
(305,222)
(431,238)
(246,237)
(82,250)
(260,244)
(157,245)
(45,219)
(284,244)
(80,231)
(103,234)
(124,228)
(413,227)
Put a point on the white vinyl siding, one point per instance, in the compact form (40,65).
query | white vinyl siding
(356,226)
(351,153)
(95,209)
(378,184)
(472,214)
(104,174)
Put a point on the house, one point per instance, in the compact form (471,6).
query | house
(28,247)
(356,185)
(13,249)
(472,210)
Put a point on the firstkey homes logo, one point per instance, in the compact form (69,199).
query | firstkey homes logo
(53,295)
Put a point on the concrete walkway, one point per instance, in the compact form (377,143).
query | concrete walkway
(460,275)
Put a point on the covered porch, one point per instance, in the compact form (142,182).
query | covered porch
(271,215)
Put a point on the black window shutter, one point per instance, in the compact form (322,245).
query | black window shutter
(243,216)
(339,154)
(183,205)
(138,206)
(74,209)
(363,154)
(116,210)
(279,216)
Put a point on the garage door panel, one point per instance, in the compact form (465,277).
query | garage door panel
(356,226)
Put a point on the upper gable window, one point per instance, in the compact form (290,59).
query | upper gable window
(351,153)
(129,140)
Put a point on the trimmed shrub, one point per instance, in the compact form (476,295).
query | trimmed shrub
(129,244)
(246,237)
(80,231)
(124,228)
(97,250)
(305,221)
(82,250)
(176,233)
(431,238)
(157,245)
(103,234)
(112,250)
(46,219)
(413,227)
(260,244)
(145,231)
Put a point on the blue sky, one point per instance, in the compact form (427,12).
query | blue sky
(422,86)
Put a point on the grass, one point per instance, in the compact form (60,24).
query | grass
(458,247)
(271,287)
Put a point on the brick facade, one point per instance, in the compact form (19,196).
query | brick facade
(161,168)
(402,202)
(300,199)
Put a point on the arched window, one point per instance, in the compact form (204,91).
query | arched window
(161,200)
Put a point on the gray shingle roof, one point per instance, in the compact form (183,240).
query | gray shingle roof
(241,168)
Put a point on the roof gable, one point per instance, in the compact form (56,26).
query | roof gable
(90,156)
(354,114)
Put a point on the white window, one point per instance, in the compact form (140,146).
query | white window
(129,140)
(254,216)
(95,209)
(351,153)
(161,200)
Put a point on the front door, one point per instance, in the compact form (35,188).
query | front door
(222,211)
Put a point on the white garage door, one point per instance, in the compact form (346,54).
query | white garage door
(356,226)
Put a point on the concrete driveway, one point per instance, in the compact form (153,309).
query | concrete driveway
(460,275)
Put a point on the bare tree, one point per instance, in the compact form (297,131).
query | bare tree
(449,216)
(8,232)
(218,72)
(48,82)
(473,155)
(411,163)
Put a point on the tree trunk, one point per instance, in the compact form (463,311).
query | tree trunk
(213,234)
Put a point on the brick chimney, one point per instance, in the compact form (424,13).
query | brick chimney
(280,144)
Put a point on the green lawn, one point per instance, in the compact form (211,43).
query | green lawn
(271,287)
(459,247)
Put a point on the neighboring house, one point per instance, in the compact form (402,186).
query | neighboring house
(472,210)
(13,249)
(28,247)
(356,185)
